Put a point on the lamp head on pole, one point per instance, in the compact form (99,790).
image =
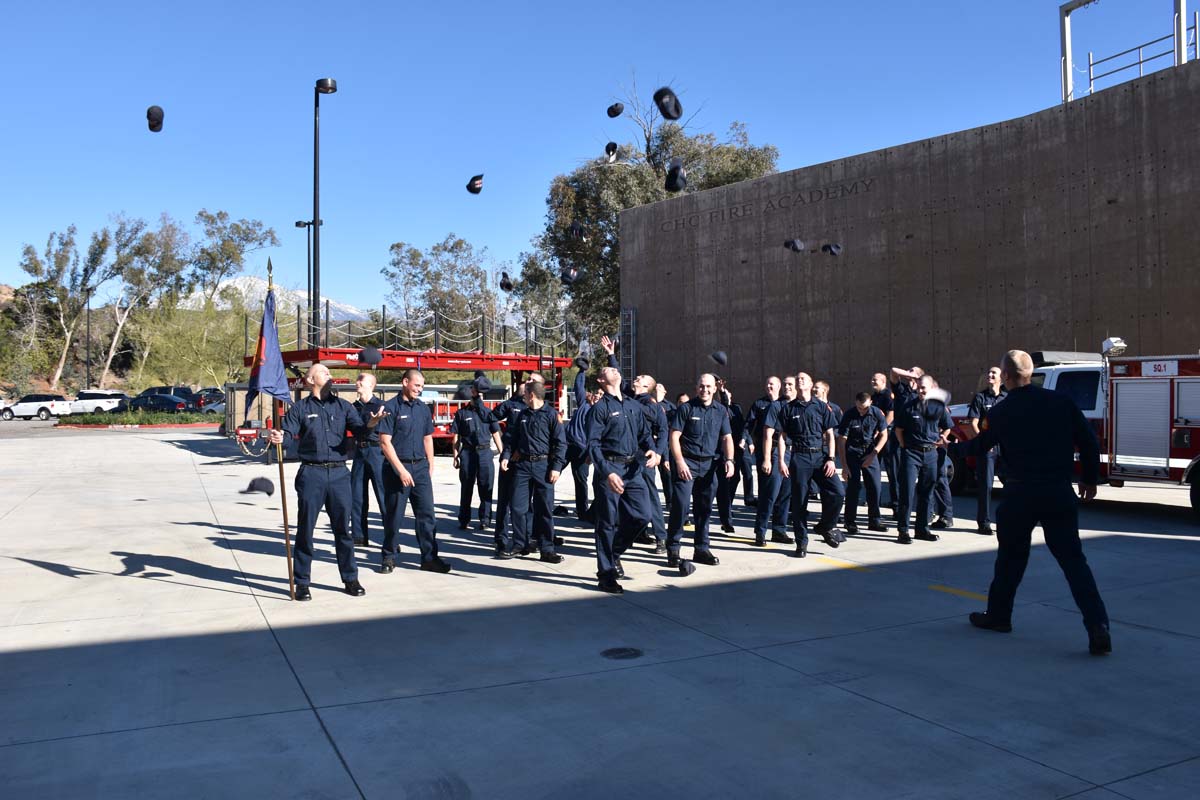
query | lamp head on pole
(301,223)
(326,86)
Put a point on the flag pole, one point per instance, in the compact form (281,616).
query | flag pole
(275,407)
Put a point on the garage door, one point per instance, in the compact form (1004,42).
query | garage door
(1142,431)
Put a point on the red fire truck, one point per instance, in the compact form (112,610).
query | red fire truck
(1145,411)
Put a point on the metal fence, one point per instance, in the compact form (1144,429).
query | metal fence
(1142,59)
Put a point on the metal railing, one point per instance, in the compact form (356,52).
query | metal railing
(433,331)
(1191,45)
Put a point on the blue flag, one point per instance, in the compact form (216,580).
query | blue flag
(267,375)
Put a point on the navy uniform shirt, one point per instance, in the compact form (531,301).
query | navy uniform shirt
(408,423)
(617,426)
(577,424)
(737,423)
(837,412)
(538,432)
(322,426)
(883,401)
(508,410)
(657,419)
(756,420)
(982,403)
(473,431)
(922,421)
(701,427)
(803,423)
(861,429)
(365,410)
(1038,431)
(668,410)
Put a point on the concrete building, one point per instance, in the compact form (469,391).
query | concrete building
(1049,231)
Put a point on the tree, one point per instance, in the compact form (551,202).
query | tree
(26,338)
(191,346)
(222,254)
(69,281)
(593,195)
(149,264)
(450,281)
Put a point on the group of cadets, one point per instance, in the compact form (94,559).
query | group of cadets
(627,438)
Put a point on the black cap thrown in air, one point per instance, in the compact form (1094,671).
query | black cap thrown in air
(154,117)
(615,110)
(506,282)
(582,363)
(832,248)
(482,384)
(475,185)
(569,276)
(719,357)
(370,356)
(676,176)
(794,245)
(263,485)
(668,103)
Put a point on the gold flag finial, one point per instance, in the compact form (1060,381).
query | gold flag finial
(270,270)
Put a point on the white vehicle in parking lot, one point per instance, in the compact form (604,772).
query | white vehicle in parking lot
(42,406)
(95,401)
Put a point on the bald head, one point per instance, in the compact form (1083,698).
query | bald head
(1016,369)
(317,378)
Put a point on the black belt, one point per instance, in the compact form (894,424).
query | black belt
(695,457)
(368,444)
(921,448)
(798,449)
(411,460)
(620,459)
(324,464)
(481,447)
(531,457)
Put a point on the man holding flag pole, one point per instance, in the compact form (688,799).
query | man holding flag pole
(320,421)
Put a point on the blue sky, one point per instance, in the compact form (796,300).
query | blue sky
(431,93)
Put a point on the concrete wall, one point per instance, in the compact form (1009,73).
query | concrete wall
(1046,232)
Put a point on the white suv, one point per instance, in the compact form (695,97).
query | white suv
(42,406)
(94,401)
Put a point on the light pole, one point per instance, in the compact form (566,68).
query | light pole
(89,338)
(301,223)
(324,86)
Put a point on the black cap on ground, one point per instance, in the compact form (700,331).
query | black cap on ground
(475,185)
(794,245)
(719,357)
(505,282)
(482,384)
(610,150)
(686,567)
(154,117)
(676,176)
(263,485)
(582,363)
(615,110)
(668,103)
(370,356)
(832,248)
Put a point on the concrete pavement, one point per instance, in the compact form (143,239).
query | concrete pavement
(149,649)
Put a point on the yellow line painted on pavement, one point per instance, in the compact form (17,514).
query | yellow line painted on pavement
(937,587)
(837,562)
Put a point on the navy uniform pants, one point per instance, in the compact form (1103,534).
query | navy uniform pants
(667,479)
(366,477)
(532,506)
(804,469)
(328,488)
(504,489)
(577,457)
(943,500)
(396,498)
(918,476)
(745,461)
(619,517)
(727,491)
(699,492)
(861,476)
(985,471)
(475,468)
(1054,507)
(891,465)
(656,513)
(774,498)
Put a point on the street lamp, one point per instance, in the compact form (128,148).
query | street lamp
(301,223)
(89,337)
(324,86)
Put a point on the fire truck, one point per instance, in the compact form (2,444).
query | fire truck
(247,431)
(1145,411)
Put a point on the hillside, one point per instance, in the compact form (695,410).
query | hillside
(254,289)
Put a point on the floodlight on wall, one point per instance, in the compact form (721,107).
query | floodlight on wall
(1113,346)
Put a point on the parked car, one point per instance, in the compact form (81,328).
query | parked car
(97,401)
(215,408)
(159,402)
(192,400)
(42,406)
(211,395)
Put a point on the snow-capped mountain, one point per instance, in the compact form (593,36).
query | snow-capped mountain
(254,290)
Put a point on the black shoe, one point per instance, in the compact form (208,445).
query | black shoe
(645,537)
(942,524)
(302,592)
(559,541)
(782,538)
(926,536)
(387,566)
(802,551)
(760,540)
(660,549)
(981,619)
(705,557)
(1099,640)
(481,525)
(903,538)
(751,502)
(618,570)
(551,558)
(727,528)
(354,589)
(672,560)
(360,541)
(526,550)
(877,526)
(828,536)
(435,565)
(464,526)
(852,530)
(609,584)
(986,530)
(504,555)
